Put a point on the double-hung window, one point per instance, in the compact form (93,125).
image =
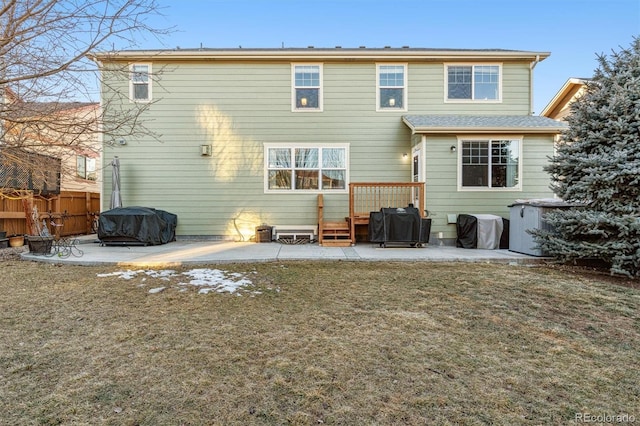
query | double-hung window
(140,82)
(392,87)
(306,168)
(490,164)
(473,83)
(307,87)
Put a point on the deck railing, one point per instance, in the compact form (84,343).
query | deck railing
(367,197)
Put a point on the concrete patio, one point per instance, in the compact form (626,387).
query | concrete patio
(192,252)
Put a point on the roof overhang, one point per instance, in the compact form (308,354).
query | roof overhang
(320,54)
(482,124)
(566,93)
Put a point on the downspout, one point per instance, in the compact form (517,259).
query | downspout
(532,65)
(100,128)
(423,161)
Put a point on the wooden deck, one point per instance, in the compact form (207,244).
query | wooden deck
(364,198)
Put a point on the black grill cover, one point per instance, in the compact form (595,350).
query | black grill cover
(467,231)
(137,225)
(398,225)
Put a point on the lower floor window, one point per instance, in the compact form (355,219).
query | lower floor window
(490,163)
(86,167)
(306,168)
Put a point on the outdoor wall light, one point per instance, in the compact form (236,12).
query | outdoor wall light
(405,155)
(205,150)
(453,148)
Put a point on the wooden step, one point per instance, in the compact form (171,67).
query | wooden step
(335,225)
(336,243)
(335,230)
(336,234)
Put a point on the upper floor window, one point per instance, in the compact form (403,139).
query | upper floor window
(490,164)
(86,167)
(473,82)
(306,168)
(307,87)
(140,82)
(392,87)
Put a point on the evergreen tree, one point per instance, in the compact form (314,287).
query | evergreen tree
(597,164)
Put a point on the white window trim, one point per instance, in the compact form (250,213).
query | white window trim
(85,161)
(131,84)
(473,101)
(266,148)
(519,138)
(405,88)
(320,88)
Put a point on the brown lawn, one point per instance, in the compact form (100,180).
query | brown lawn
(318,343)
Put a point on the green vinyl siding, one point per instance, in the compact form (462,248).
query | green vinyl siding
(443,197)
(237,107)
(427,92)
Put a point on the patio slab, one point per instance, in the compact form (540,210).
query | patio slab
(192,252)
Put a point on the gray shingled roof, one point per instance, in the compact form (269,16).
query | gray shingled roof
(482,123)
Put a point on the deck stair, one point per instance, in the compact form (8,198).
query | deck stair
(336,234)
(332,234)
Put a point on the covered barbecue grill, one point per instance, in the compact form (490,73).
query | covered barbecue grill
(136,226)
(399,225)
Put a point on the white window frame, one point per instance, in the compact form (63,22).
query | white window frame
(489,139)
(132,84)
(294,87)
(405,90)
(89,168)
(472,99)
(292,147)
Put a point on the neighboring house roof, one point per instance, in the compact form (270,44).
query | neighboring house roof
(312,53)
(558,107)
(481,124)
(16,108)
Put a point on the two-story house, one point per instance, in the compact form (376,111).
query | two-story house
(65,132)
(245,137)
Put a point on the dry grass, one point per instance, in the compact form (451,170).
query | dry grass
(324,343)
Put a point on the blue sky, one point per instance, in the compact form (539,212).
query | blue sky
(574,31)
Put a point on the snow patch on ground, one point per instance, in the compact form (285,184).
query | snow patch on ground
(207,280)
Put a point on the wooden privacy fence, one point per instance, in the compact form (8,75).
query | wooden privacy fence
(77,210)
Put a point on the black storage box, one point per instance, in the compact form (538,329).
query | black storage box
(136,226)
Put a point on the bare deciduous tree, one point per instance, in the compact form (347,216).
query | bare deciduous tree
(48,83)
